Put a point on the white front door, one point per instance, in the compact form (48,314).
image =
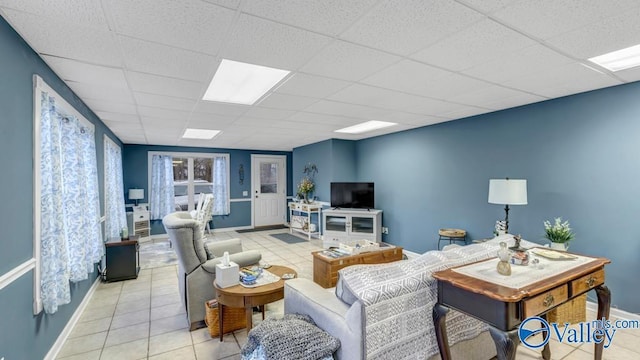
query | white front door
(269,189)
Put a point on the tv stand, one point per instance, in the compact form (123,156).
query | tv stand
(341,225)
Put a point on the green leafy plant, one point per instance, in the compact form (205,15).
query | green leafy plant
(559,232)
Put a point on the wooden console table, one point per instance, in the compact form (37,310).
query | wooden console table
(325,269)
(505,308)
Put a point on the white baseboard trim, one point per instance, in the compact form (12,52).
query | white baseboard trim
(220,230)
(57,346)
(620,314)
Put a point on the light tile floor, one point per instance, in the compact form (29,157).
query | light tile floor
(144,319)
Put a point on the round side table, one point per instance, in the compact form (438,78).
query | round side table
(243,297)
(452,235)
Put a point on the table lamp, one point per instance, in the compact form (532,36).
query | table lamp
(136,194)
(508,192)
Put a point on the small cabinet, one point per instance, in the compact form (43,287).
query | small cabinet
(351,224)
(138,222)
(122,259)
(305,218)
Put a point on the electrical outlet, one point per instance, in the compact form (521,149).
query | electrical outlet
(385,230)
(245,193)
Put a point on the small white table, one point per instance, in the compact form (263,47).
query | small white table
(304,212)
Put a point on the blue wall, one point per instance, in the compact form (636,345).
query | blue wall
(578,153)
(136,169)
(335,159)
(23,335)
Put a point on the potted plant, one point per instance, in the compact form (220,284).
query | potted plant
(559,234)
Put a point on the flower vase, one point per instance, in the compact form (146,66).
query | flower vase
(503,267)
(558,246)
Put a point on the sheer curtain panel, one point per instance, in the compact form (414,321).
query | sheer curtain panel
(221,200)
(161,200)
(71,242)
(116,219)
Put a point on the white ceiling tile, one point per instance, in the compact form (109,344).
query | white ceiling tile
(232,4)
(389,99)
(346,110)
(329,17)
(629,75)
(187,24)
(406,75)
(478,43)
(608,35)
(99,105)
(286,102)
(420,79)
(152,58)
(311,118)
(67,40)
(72,70)
(102,93)
(262,42)
(164,102)
(412,119)
(122,126)
(159,113)
(213,107)
(160,126)
(531,60)
(118,117)
(346,61)
(311,85)
(161,85)
(569,79)
(492,95)
(548,18)
(209,121)
(87,13)
(266,113)
(406,26)
(488,6)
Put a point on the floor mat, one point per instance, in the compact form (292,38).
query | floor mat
(263,228)
(288,238)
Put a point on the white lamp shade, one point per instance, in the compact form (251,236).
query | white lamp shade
(508,191)
(136,194)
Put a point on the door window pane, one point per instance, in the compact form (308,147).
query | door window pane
(269,178)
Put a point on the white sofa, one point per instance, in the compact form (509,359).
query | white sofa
(385,311)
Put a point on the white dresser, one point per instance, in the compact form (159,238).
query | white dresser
(138,222)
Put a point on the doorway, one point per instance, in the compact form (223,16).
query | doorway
(268,189)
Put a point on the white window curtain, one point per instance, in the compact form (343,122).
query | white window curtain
(221,200)
(161,200)
(71,241)
(116,219)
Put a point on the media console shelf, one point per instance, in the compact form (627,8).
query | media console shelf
(340,225)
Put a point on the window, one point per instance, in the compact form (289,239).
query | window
(67,230)
(193,176)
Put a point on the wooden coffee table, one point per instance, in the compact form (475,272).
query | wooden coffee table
(242,297)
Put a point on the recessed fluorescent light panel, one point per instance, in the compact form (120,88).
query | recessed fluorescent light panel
(201,134)
(241,83)
(620,59)
(366,126)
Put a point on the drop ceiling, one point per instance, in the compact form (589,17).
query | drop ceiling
(143,66)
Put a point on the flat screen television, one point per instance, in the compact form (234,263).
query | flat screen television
(352,195)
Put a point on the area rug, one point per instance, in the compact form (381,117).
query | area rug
(262,228)
(288,238)
(156,254)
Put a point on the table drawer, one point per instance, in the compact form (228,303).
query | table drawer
(548,299)
(140,215)
(587,282)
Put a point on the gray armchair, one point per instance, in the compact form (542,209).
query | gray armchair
(197,262)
